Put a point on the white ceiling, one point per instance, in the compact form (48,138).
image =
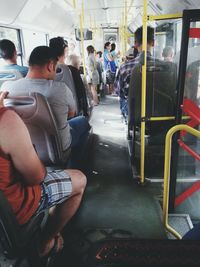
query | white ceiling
(61,16)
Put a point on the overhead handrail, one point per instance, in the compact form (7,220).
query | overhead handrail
(167,118)
(168,146)
(165,16)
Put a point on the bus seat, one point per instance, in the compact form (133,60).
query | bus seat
(39,119)
(63,74)
(160,101)
(9,75)
(16,240)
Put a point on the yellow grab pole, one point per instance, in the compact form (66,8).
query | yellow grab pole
(94,33)
(168,144)
(125,26)
(122,39)
(123,50)
(83,15)
(74,3)
(90,22)
(143,95)
(82,43)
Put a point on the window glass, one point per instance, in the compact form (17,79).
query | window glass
(13,35)
(31,40)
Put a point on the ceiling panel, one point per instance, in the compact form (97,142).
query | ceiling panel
(60,15)
(10,10)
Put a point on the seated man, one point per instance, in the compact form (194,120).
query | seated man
(63,73)
(40,79)
(9,54)
(74,66)
(28,186)
(122,80)
(168,54)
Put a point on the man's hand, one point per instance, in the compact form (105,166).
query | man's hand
(3,95)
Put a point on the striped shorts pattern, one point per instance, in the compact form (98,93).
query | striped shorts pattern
(56,188)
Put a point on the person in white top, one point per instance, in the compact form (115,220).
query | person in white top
(93,75)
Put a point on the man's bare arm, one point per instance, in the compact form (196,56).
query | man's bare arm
(15,141)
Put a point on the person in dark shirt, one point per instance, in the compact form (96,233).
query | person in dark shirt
(74,65)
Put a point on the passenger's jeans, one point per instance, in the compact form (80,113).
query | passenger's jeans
(124,107)
(79,133)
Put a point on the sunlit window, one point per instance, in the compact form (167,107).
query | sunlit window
(13,35)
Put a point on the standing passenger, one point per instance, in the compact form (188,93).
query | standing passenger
(114,54)
(100,71)
(109,66)
(9,53)
(93,75)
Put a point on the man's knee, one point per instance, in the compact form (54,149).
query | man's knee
(79,181)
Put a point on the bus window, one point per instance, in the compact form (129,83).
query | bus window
(13,35)
(167,34)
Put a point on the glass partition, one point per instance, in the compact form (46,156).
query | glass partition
(187,194)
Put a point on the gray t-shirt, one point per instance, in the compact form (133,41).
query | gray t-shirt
(58,95)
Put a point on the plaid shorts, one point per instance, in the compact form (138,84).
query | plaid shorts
(55,189)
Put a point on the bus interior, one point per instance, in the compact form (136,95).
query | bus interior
(143,172)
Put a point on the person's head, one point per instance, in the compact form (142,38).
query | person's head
(90,49)
(113,46)
(74,60)
(99,54)
(107,46)
(59,47)
(8,50)
(138,37)
(42,63)
(168,53)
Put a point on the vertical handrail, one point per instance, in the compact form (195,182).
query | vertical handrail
(125,25)
(74,3)
(143,96)
(82,43)
(168,146)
